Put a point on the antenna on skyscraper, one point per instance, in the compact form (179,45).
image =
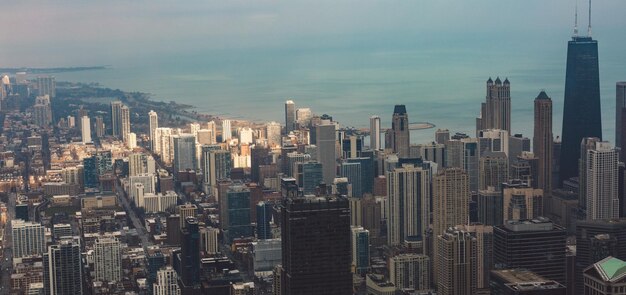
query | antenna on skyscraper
(576,21)
(589,28)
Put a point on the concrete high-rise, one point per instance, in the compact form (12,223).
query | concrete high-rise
(456,258)
(107,259)
(375,143)
(63,268)
(601,181)
(43,111)
(85,128)
(494,170)
(28,238)
(120,120)
(100,128)
(140,163)
(408,193)
(322,224)
(290,116)
(166,282)
(326,143)
(581,112)
(496,110)
(46,85)
(401,134)
(153,124)
(410,271)
(451,198)
(542,141)
(521,202)
(227,132)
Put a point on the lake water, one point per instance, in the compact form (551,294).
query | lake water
(441,79)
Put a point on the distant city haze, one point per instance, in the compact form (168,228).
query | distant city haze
(350,59)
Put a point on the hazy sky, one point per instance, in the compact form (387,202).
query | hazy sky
(64,33)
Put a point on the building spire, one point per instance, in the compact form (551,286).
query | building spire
(589,27)
(576,21)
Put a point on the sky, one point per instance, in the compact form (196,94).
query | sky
(73,33)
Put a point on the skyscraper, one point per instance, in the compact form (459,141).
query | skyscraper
(375,133)
(227,132)
(184,152)
(290,116)
(538,245)
(352,171)
(120,120)
(456,258)
(238,212)
(190,253)
(46,85)
(316,246)
(166,282)
(28,238)
(107,259)
(153,125)
(140,163)
(620,118)
(408,192)
(216,164)
(496,110)
(309,176)
(401,135)
(85,128)
(360,249)
(100,128)
(581,112)
(601,181)
(451,199)
(521,202)
(325,140)
(494,170)
(542,141)
(63,268)
(263,217)
(410,271)
(43,111)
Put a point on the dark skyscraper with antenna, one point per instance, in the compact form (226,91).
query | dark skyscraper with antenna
(581,112)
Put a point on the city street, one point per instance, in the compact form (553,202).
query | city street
(137,223)
(5,264)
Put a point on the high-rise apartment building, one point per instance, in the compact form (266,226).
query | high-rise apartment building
(375,142)
(63,268)
(496,110)
(326,143)
(28,238)
(401,133)
(457,262)
(408,194)
(120,120)
(274,137)
(107,259)
(216,164)
(581,112)
(494,170)
(153,124)
(542,141)
(451,198)
(227,131)
(316,246)
(238,210)
(166,282)
(46,85)
(184,153)
(100,128)
(410,271)
(602,181)
(352,171)
(43,111)
(140,163)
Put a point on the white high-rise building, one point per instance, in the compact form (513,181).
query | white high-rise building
(227,132)
(107,259)
(602,179)
(131,140)
(273,134)
(408,191)
(209,240)
(149,186)
(375,133)
(154,124)
(28,238)
(167,282)
(140,163)
(246,135)
(160,202)
(85,127)
(303,116)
